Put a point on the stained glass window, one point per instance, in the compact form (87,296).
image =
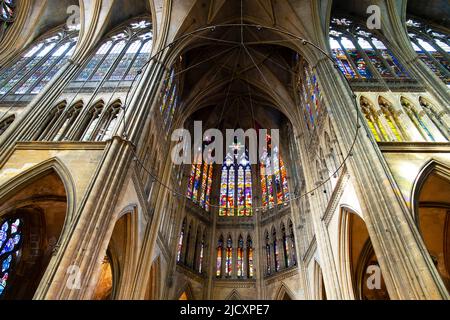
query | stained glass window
(309,93)
(240,258)
(361,55)
(275,250)
(432,46)
(10,247)
(292,243)
(180,241)
(274,181)
(188,242)
(169,96)
(37,66)
(199,185)
(120,57)
(250,264)
(229,257)
(219,257)
(202,254)
(286,247)
(236,187)
(268,259)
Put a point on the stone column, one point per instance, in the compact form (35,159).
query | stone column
(406,265)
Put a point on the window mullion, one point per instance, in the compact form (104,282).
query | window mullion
(36,82)
(366,58)
(432,58)
(34,69)
(350,60)
(380,56)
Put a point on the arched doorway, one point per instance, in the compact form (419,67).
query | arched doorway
(432,204)
(117,259)
(153,288)
(360,271)
(32,218)
(320,290)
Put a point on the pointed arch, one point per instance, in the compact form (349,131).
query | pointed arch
(416,118)
(38,199)
(319,283)
(38,171)
(284,293)
(121,253)
(185,293)
(234,295)
(357,258)
(154,282)
(431,209)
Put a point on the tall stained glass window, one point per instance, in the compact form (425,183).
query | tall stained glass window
(169,99)
(236,187)
(250,264)
(199,185)
(240,258)
(275,250)
(229,257)
(10,247)
(268,259)
(309,93)
(274,183)
(202,255)
(292,243)
(120,57)
(180,241)
(286,247)
(360,54)
(36,67)
(7,15)
(432,46)
(219,259)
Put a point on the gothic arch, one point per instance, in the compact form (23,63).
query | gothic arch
(38,171)
(284,293)
(154,282)
(185,293)
(356,255)
(234,295)
(319,289)
(121,252)
(39,198)
(431,166)
(431,211)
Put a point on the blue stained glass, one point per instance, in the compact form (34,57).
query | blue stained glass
(10,245)
(108,62)
(95,60)
(6,263)
(140,61)
(3,282)
(10,239)
(125,62)
(3,233)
